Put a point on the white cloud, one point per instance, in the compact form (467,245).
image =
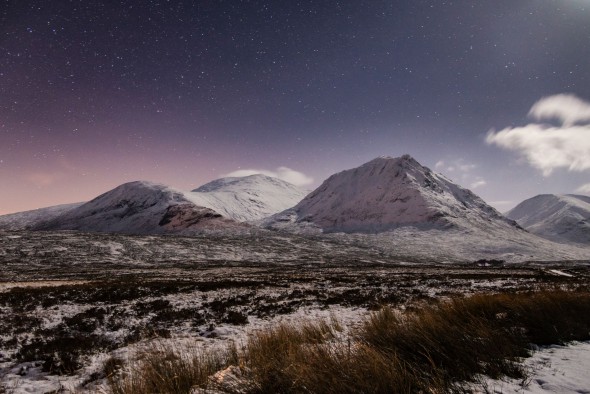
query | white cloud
(584,189)
(455,165)
(285,173)
(478,183)
(548,148)
(567,108)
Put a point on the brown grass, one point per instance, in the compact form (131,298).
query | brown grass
(164,369)
(430,350)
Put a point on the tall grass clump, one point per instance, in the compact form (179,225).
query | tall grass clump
(165,369)
(433,349)
(487,334)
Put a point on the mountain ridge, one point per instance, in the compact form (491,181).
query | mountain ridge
(386,193)
(143,207)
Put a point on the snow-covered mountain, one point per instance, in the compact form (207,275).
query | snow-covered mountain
(563,218)
(139,208)
(388,193)
(247,199)
(27,219)
(146,208)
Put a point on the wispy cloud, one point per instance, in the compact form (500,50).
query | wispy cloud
(478,183)
(456,165)
(462,169)
(285,173)
(550,147)
(584,189)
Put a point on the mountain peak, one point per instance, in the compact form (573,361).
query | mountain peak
(250,181)
(248,198)
(390,192)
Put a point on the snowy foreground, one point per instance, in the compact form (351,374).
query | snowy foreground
(74,300)
(553,369)
(23,378)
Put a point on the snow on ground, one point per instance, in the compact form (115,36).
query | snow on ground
(553,369)
(561,273)
(27,378)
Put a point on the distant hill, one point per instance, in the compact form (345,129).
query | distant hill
(562,218)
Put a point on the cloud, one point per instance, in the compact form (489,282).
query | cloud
(285,173)
(546,147)
(459,167)
(584,189)
(566,108)
(455,165)
(478,183)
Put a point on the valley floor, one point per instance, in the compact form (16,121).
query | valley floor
(71,302)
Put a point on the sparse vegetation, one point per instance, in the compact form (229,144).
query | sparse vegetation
(167,370)
(431,349)
(64,297)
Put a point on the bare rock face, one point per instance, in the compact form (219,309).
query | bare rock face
(387,193)
(183,217)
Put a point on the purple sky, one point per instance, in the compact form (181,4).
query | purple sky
(94,94)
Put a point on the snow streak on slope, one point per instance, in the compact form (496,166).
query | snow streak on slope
(249,198)
(387,193)
(556,217)
(139,208)
(27,219)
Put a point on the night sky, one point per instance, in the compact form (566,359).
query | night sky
(97,93)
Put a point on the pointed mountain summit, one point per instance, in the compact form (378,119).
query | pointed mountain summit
(562,218)
(138,208)
(387,193)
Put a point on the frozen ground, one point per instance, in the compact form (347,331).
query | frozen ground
(70,301)
(553,369)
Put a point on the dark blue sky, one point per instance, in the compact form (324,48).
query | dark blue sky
(96,93)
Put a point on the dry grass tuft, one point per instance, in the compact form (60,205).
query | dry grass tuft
(430,350)
(163,369)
